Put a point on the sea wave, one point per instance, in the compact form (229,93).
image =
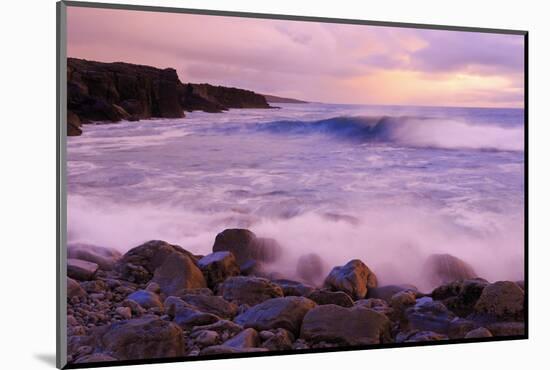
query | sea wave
(407,131)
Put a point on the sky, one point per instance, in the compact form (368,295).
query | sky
(321,62)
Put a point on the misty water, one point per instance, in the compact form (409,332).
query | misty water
(388,185)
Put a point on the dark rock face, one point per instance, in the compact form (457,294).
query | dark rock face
(323,296)
(249,290)
(444,268)
(157,339)
(99,91)
(503,301)
(218,266)
(347,326)
(310,267)
(354,278)
(105,258)
(286,313)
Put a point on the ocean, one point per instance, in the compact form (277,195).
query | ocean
(389,185)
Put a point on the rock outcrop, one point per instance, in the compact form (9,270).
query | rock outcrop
(110,92)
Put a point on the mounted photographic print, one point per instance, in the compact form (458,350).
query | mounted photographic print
(236,184)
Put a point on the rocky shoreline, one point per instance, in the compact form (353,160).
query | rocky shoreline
(159,300)
(111,92)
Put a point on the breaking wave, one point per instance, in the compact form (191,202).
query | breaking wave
(407,131)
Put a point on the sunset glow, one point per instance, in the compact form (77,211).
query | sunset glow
(322,62)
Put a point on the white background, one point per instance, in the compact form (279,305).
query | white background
(27,152)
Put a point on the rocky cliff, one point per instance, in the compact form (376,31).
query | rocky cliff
(112,92)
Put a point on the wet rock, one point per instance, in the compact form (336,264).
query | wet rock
(74,289)
(428,315)
(240,242)
(81,270)
(295,288)
(310,267)
(146,299)
(444,268)
(419,336)
(221,326)
(249,290)
(95,357)
(143,338)
(134,307)
(323,296)
(73,124)
(284,312)
(105,258)
(252,267)
(218,266)
(248,338)
(188,316)
(459,327)
(153,288)
(280,340)
(478,333)
(375,304)
(267,250)
(177,274)
(139,263)
(387,291)
(221,349)
(460,296)
(503,300)
(346,326)
(124,312)
(206,338)
(505,329)
(212,304)
(354,278)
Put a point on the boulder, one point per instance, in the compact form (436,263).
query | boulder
(248,338)
(80,269)
(310,268)
(460,296)
(146,299)
(375,304)
(246,246)
(285,312)
(105,258)
(189,317)
(177,274)
(503,300)
(459,327)
(124,312)
(143,339)
(206,338)
(74,289)
(280,340)
(240,242)
(444,268)
(218,266)
(345,326)
(354,278)
(387,291)
(478,333)
(249,290)
(220,327)
(291,287)
(211,304)
(323,296)
(428,315)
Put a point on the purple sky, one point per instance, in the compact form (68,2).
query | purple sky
(312,61)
